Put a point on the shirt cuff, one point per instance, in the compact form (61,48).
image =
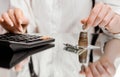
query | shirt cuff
(111,35)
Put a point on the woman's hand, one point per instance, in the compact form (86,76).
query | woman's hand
(20,66)
(101,68)
(14,21)
(104,67)
(105,17)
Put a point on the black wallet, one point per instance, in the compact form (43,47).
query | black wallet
(16,47)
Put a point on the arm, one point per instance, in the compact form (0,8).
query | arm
(14,21)
(112,49)
(105,17)
(104,67)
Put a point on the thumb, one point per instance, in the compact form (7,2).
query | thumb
(20,66)
(1,19)
(84,21)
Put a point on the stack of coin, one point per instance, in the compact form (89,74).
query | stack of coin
(83,41)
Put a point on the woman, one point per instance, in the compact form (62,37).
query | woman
(61,20)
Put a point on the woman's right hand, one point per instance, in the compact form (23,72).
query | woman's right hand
(101,68)
(14,21)
(19,67)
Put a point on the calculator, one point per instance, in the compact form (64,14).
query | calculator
(18,42)
(16,47)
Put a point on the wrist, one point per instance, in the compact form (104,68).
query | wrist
(112,49)
(109,58)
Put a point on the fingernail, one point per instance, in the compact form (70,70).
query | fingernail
(84,26)
(20,21)
(2,20)
(11,24)
(20,29)
(18,68)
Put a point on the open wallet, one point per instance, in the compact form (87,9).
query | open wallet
(16,47)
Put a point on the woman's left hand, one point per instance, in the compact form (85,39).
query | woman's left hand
(101,68)
(105,17)
(20,65)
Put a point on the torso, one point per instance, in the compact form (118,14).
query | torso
(56,16)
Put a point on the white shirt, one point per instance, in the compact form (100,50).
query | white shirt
(50,16)
(61,20)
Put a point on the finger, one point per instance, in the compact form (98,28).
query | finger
(94,14)
(82,72)
(83,21)
(88,72)
(12,17)
(101,70)
(8,28)
(25,21)
(82,69)
(95,72)
(109,67)
(114,22)
(1,19)
(7,19)
(19,66)
(6,23)
(24,24)
(101,15)
(20,17)
(107,19)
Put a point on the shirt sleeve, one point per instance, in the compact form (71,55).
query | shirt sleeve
(115,5)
